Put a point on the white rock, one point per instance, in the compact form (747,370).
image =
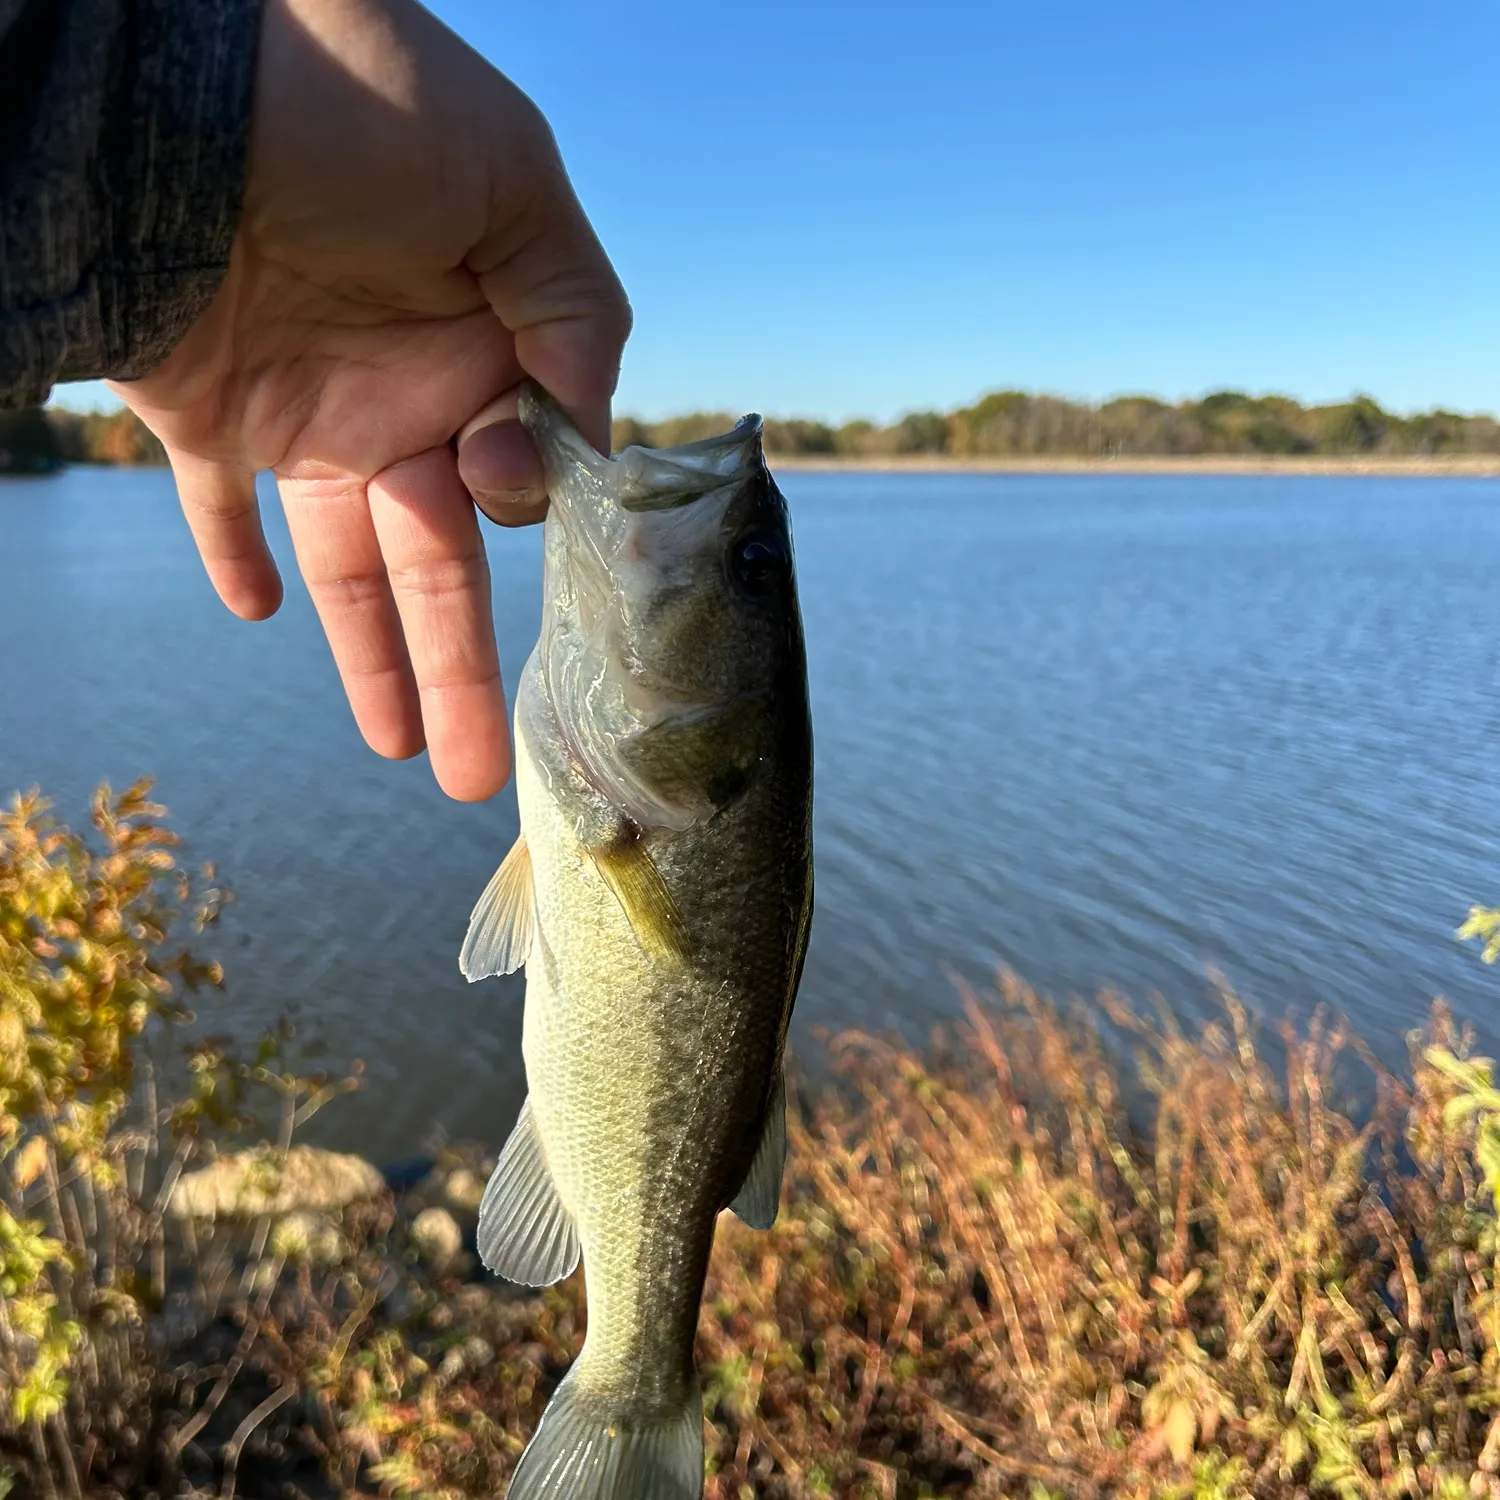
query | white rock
(438,1238)
(463,1190)
(245,1183)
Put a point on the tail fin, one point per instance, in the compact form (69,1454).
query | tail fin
(585,1449)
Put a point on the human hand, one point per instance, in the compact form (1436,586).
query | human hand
(410,248)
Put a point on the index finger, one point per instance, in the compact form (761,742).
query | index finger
(440,580)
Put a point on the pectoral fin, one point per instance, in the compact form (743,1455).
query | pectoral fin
(503,925)
(630,873)
(759,1196)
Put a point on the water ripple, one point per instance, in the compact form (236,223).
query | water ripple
(1100,729)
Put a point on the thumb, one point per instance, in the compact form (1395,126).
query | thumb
(550,283)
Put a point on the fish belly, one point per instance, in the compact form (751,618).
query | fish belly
(646,1087)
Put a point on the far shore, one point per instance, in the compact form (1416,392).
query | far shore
(1485,466)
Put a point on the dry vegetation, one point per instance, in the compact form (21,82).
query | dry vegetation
(978,1285)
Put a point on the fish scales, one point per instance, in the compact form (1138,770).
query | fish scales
(664,777)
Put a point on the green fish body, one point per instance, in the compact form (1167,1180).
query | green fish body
(660,896)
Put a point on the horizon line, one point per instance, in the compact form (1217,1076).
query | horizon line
(106,403)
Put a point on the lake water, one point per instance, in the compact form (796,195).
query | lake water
(1101,729)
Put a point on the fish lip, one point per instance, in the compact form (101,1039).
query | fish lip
(573,466)
(593,495)
(665,478)
(638,479)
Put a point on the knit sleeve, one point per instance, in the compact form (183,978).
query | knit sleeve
(124,127)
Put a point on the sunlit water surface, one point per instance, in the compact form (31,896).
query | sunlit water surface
(1101,729)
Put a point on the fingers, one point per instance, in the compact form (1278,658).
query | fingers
(339,554)
(219,503)
(397,572)
(440,583)
(499,466)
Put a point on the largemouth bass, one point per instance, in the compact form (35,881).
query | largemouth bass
(660,896)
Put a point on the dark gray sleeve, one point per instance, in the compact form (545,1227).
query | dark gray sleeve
(124,127)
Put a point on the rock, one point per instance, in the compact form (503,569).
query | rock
(438,1238)
(472,1301)
(472,1355)
(463,1190)
(477,1353)
(246,1183)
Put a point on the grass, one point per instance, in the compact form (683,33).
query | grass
(989,1276)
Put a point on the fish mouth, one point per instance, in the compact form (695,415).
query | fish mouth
(664,478)
(636,479)
(594,497)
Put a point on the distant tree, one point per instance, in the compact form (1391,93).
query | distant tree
(1267,435)
(122,438)
(1480,435)
(68,428)
(1142,425)
(858,438)
(1217,403)
(1046,425)
(1013,423)
(627,432)
(1355,427)
(797,435)
(691,428)
(922,432)
(118,437)
(28,445)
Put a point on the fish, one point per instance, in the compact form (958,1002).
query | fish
(660,898)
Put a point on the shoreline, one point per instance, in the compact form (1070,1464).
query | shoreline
(1473,466)
(1486,466)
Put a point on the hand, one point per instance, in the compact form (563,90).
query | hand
(410,248)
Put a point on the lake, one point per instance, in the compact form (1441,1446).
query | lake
(1102,729)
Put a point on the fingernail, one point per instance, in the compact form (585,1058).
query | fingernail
(512,507)
(501,469)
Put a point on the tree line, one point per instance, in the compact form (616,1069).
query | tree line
(1022,424)
(38,441)
(1002,424)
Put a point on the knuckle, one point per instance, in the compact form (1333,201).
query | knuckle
(436,580)
(220,506)
(354,592)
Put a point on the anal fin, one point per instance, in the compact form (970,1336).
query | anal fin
(759,1196)
(526,1234)
(502,927)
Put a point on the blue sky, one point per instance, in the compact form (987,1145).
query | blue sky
(839,209)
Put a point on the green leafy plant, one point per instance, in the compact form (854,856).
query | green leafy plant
(1483,925)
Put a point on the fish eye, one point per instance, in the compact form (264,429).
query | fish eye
(759,562)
